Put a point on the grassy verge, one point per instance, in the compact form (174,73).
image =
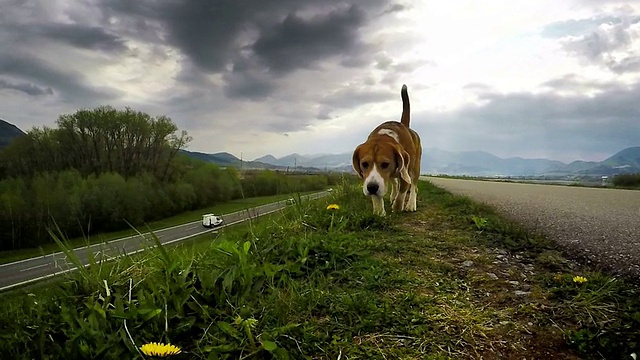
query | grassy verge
(189,216)
(451,281)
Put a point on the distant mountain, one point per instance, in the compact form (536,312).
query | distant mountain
(629,156)
(626,161)
(436,161)
(321,161)
(289,160)
(623,162)
(226,159)
(8,132)
(574,167)
(269,159)
(480,163)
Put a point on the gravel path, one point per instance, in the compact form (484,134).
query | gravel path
(602,225)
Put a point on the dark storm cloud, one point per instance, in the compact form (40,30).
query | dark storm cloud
(541,122)
(35,25)
(393,9)
(87,37)
(576,84)
(26,88)
(299,43)
(205,30)
(71,85)
(241,49)
(350,97)
(32,61)
(248,81)
(211,32)
(253,43)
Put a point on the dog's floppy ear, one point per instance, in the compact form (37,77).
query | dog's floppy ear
(355,160)
(402,164)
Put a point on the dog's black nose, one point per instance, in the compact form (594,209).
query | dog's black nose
(372,188)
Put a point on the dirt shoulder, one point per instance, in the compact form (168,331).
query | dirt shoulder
(509,293)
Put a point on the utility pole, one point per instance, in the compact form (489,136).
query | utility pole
(240,160)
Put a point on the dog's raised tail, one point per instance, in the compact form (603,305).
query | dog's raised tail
(405,106)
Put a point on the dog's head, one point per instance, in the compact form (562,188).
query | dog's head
(376,162)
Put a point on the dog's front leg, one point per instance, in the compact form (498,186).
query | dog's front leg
(412,199)
(378,205)
(401,197)
(399,202)
(394,190)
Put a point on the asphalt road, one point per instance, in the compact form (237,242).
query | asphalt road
(34,269)
(597,224)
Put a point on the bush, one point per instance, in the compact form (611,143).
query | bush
(626,180)
(267,182)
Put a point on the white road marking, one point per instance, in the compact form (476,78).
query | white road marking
(35,267)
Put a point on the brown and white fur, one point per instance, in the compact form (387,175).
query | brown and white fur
(391,158)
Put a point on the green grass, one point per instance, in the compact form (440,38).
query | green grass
(190,216)
(451,281)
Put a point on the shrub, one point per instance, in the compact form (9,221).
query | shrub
(626,180)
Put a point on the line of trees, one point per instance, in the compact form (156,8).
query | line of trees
(102,168)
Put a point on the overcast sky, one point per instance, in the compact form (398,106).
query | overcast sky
(535,78)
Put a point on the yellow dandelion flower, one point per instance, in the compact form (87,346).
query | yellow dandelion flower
(333,207)
(159,349)
(579,279)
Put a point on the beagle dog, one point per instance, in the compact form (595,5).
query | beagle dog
(391,158)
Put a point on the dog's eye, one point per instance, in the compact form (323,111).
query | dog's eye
(384,165)
(365,165)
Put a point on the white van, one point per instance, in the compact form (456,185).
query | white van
(210,220)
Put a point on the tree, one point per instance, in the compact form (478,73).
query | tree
(13,209)
(97,141)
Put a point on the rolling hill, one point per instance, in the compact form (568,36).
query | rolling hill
(225,159)
(8,132)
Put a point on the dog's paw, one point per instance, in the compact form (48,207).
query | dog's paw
(380,213)
(397,207)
